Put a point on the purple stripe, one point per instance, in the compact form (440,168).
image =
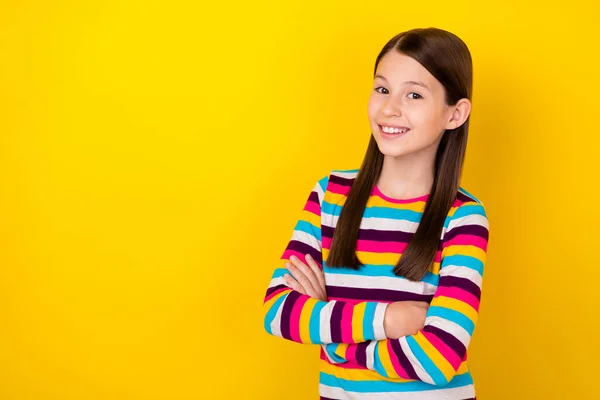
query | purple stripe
(463,283)
(373,234)
(341,180)
(335,323)
(463,198)
(304,249)
(475,230)
(274,288)
(452,342)
(313,197)
(361,353)
(403,359)
(375,294)
(288,305)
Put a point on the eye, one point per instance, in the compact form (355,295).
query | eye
(415,94)
(382,88)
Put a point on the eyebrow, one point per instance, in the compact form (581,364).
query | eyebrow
(418,83)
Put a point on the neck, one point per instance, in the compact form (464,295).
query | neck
(407,176)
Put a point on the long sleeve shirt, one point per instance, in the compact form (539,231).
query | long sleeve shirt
(357,360)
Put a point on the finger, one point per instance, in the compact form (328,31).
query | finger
(293,284)
(316,270)
(300,277)
(308,272)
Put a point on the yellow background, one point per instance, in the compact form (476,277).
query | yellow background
(155,155)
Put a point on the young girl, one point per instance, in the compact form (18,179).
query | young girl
(384,267)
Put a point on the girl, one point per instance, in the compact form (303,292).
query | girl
(387,260)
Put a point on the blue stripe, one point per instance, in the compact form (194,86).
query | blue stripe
(323,182)
(375,212)
(279,272)
(307,227)
(272,313)
(331,348)
(426,362)
(389,386)
(376,362)
(465,261)
(368,331)
(452,315)
(377,270)
(314,325)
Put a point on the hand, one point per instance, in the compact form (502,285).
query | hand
(307,279)
(404,318)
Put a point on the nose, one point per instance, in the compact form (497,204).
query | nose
(391,108)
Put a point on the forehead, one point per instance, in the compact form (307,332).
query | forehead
(397,68)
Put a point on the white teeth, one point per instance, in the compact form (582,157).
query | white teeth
(393,130)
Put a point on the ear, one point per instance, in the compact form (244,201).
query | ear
(460,113)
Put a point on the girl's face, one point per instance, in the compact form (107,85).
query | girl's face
(407,96)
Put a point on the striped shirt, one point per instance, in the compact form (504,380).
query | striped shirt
(357,360)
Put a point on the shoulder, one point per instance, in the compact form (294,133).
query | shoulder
(467,210)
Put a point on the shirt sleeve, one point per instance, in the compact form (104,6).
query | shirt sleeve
(300,318)
(435,353)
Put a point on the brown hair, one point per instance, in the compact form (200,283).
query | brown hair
(448,59)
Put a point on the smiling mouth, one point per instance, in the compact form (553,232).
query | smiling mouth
(392,132)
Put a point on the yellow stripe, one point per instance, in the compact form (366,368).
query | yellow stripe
(305,320)
(443,365)
(375,201)
(341,350)
(273,299)
(456,305)
(464,250)
(384,357)
(357,375)
(361,375)
(357,322)
(308,216)
(334,198)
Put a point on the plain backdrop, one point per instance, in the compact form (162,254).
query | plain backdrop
(154,157)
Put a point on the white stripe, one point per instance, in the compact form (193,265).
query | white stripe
(324,322)
(276,323)
(420,371)
(370,355)
(345,174)
(333,392)
(278,281)
(471,219)
(462,272)
(380,282)
(378,328)
(450,327)
(331,360)
(380,224)
(307,238)
(463,392)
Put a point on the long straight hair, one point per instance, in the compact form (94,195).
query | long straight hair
(448,59)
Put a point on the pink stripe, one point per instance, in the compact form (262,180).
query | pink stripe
(288,253)
(347,323)
(351,353)
(275,293)
(295,318)
(444,349)
(338,189)
(467,240)
(326,242)
(459,294)
(395,362)
(372,246)
(313,207)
